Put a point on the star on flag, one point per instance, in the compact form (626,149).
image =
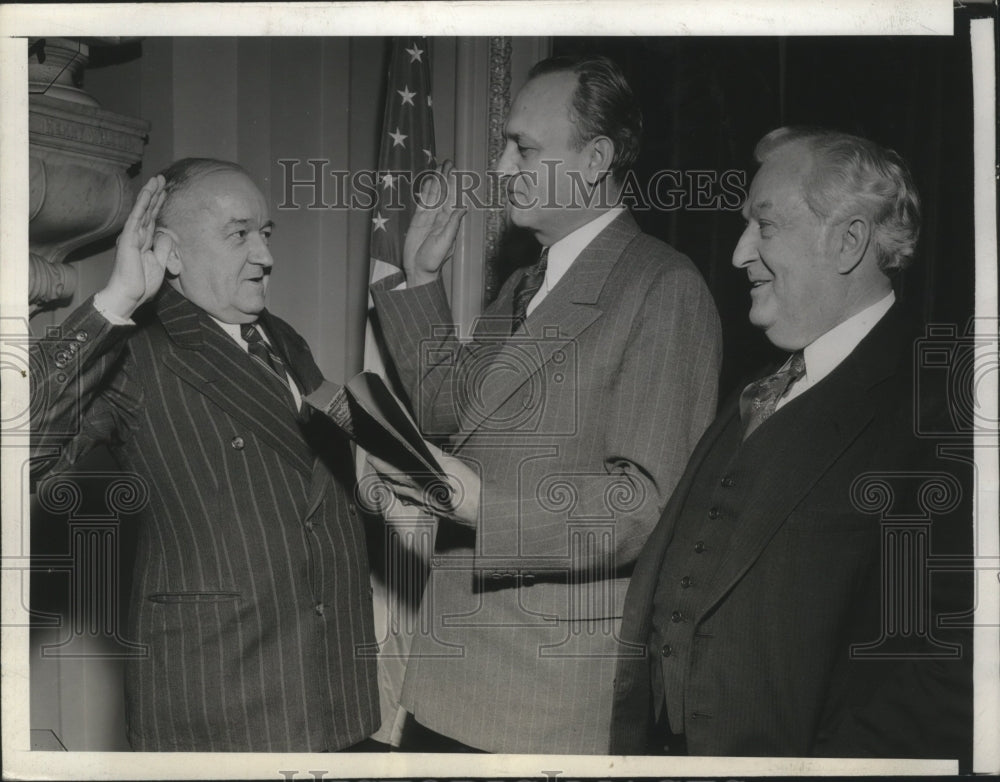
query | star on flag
(406,95)
(398,138)
(415,53)
(379,222)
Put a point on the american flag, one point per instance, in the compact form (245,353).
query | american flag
(407,148)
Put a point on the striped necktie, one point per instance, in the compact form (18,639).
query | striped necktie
(759,399)
(527,287)
(262,353)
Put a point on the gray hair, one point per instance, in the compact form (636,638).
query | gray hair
(183,173)
(852,173)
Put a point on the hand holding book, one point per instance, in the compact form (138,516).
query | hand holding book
(416,471)
(456,498)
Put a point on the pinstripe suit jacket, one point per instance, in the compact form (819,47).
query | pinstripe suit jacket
(580,424)
(251,587)
(787,577)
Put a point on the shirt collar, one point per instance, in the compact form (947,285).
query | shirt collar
(233,330)
(568,249)
(825,353)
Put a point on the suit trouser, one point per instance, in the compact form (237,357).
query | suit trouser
(416,738)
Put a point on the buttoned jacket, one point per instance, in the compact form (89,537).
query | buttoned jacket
(790,578)
(579,424)
(251,591)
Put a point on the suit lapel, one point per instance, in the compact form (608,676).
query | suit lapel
(208,359)
(565,313)
(791,455)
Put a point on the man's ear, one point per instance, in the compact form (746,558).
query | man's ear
(174,262)
(602,152)
(855,238)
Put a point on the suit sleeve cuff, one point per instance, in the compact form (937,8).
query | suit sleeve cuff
(392,282)
(110,317)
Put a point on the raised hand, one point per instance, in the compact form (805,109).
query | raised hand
(430,240)
(141,257)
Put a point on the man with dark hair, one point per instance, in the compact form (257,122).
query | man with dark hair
(251,583)
(602,105)
(572,414)
(781,607)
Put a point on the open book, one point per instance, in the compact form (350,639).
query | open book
(371,415)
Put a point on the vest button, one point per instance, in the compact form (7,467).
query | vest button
(714,513)
(676,617)
(319,608)
(685,582)
(666,650)
(238,443)
(699,547)
(728,481)
(309,526)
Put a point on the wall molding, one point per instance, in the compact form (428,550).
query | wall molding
(499,107)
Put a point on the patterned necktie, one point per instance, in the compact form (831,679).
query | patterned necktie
(262,353)
(759,399)
(527,287)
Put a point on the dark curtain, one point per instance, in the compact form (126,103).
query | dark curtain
(706,102)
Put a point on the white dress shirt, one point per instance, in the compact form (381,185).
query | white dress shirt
(568,249)
(826,353)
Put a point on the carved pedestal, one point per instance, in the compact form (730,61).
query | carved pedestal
(80,155)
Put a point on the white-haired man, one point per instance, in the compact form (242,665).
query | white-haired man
(756,606)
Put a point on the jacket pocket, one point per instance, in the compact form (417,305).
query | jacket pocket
(575,602)
(192,597)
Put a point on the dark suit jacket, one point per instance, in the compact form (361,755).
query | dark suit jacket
(581,423)
(781,542)
(251,587)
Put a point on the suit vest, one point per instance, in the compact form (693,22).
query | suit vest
(711,514)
